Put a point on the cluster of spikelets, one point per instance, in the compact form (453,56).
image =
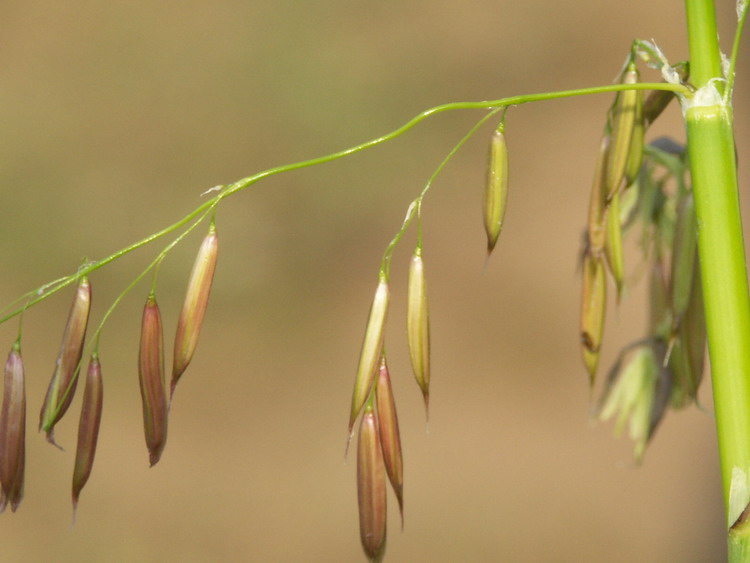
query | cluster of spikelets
(65,377)
(644,185)
(379,444)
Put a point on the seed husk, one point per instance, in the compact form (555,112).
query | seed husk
(194,307)
(496,188)
(88,427)
(371,349)
(597,202)
(13,431)
(593,309)
(65,377)
(371,493)
(418,325)
(623,123)
(613,246)
(152,383)
(390,438)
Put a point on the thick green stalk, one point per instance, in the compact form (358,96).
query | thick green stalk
(723,266)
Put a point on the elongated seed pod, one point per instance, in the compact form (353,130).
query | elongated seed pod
(496,189)
(683,256)
(88,427)
(371,349)
(390,438)
(623,123)
(593,308)
(65,377)
(13,431)
(371,492)
(613,246)
(597,201)
(151,376)
(194,307)
(418,325)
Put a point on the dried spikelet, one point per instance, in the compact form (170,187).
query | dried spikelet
(196,302)
(623,123)
(153,385)
(593,308)
(683,256)
(13,431)
(597,202)
(371,348)
(390,438)
(613,246)
(88,427)
(418,325)
(371,492)
(65,377)
(496,189)
(631,396)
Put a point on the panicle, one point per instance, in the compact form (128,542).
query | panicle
(65,377)
(418,325)
(13,431)
(194,307)
(151,376)
(88,427)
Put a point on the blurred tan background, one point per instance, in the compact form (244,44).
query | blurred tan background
(117,115)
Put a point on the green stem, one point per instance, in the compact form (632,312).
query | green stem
(47,290)
(723,266)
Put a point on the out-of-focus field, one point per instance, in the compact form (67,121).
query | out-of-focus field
(116,116)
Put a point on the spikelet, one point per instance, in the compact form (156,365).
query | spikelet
(390,438)
(635,154)
(65,377)
(194,307)
(623,124)
(613,246)
(593,308)
(597,202)
(371,348)
(88,427)
(371,493)
(151,376)
(496,189)
(418,325)
(13,431)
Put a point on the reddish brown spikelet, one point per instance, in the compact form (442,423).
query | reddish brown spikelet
(88,427)
(371,486)
(65,377)
(196,302)
(390,438)
(13,431)
(153,385)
